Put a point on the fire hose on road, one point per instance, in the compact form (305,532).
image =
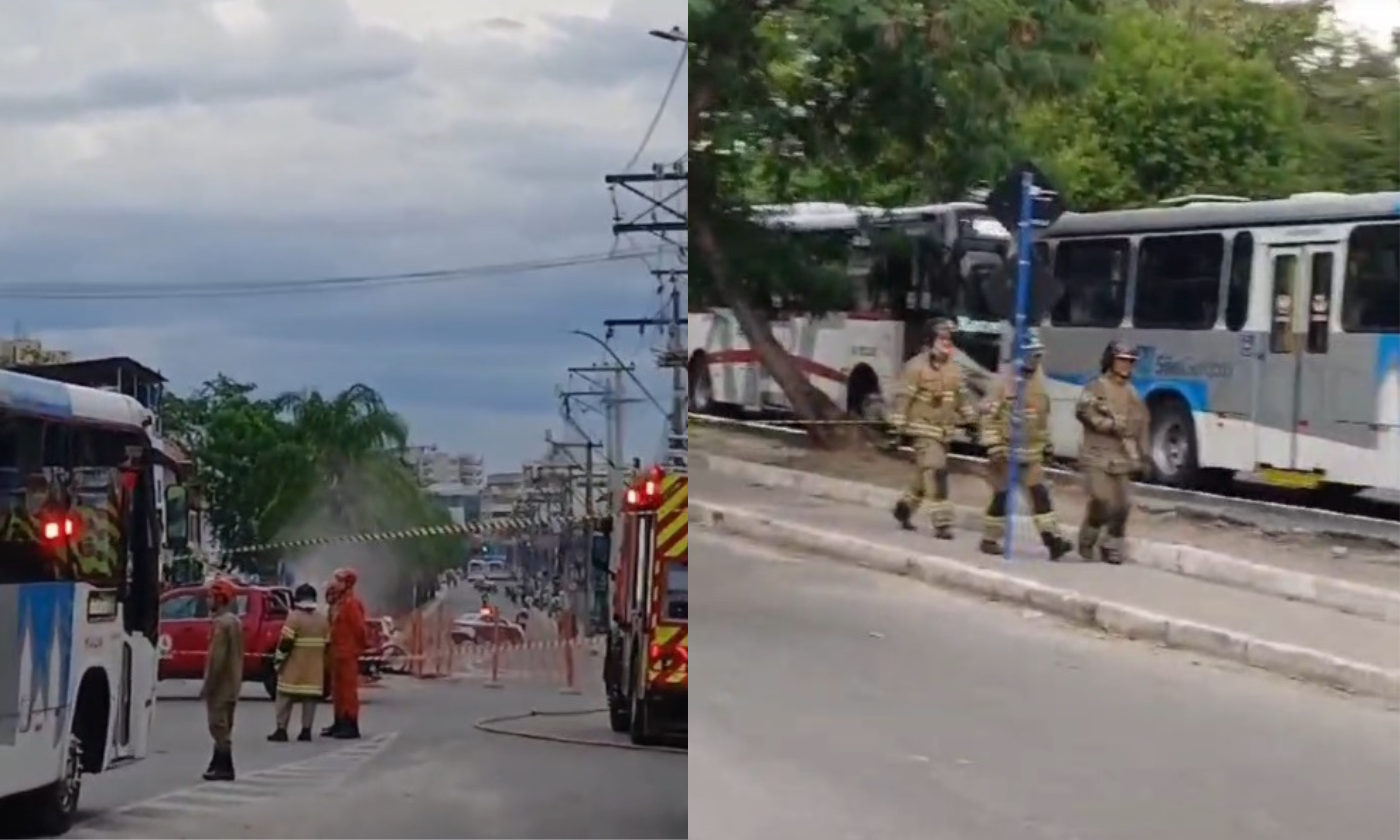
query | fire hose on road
(495,726)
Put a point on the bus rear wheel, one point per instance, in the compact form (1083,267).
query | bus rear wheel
(1174,454)
(702,390)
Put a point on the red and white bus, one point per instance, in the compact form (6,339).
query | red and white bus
(855,355)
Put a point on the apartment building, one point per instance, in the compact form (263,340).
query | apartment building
(432,466)
(502,495)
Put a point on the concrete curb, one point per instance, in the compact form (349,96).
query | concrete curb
(1351,598)
(1114,618)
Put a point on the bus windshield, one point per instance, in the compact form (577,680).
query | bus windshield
(71,480)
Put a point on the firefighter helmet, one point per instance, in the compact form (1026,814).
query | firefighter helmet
(1117,349)
(1031,345)
(222,590)
(941,326)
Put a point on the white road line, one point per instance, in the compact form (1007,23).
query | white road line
(251,788)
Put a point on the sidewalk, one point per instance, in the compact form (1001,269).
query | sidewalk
(1301,640)
(1297,551)
(1266,569)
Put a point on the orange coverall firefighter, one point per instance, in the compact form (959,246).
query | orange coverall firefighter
(349,638)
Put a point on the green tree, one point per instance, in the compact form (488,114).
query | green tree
(305,465)
(1171,110)
(250,470)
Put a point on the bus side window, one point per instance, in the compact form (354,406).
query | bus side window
(22,488)
(1237,290)
(1371,291)
(1281,319)
(1178,281)
(1320,303)
(1093,273)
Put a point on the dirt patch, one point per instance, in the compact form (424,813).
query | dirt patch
(1301,551)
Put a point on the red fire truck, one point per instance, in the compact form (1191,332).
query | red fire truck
(647,666)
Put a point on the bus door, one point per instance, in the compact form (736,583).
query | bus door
(1293,383)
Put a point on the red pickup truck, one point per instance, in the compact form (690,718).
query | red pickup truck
(185,630)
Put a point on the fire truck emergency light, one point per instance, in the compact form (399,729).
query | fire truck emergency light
(61,527)
(647,494)
(676,656)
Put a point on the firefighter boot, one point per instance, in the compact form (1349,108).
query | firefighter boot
(943,532)
(279,736)
(1057,545)
(1088,539)
(336,726)
(1112,551)
(220,766)
(904,515)
(305,736)
(993,531)
(349,730)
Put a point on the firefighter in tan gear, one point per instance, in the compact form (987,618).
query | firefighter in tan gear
(1115,422)
(223,678)
(1030,452)
(934,401)
(300,661)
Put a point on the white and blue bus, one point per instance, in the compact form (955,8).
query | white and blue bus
(1269,333)
(80,537)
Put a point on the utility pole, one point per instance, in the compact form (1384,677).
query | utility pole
(673,357)
(658,216)
(580,567)
(614,402)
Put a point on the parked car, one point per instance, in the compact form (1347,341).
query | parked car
(186,628)
(476,629)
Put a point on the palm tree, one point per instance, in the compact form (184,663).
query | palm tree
(355,442)
(346,428)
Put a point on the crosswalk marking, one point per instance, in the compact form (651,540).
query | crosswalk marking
(259,786)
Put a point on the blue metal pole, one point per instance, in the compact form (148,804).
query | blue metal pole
(1024,243)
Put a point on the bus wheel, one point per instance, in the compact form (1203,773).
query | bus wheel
(863,398)
(54,806)
(702,387)
(1175,457)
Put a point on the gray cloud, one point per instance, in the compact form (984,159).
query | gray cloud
(319,142)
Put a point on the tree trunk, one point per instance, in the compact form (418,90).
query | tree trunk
(807,402)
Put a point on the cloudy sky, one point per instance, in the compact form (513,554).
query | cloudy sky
(248,141)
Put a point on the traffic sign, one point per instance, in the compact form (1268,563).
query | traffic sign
(1006,202)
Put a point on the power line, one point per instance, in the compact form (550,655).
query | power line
(147,291)
(661,108)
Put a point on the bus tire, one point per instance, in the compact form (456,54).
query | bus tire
(701,393)
(51,809)
(863,397)
(1172,442)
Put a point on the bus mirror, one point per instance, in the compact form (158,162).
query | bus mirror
(177,516)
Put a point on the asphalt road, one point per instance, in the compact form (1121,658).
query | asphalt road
(423,771)
(841,703)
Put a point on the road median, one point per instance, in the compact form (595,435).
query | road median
(1078,605)
(1357,599)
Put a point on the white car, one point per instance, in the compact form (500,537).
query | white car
(474,628)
